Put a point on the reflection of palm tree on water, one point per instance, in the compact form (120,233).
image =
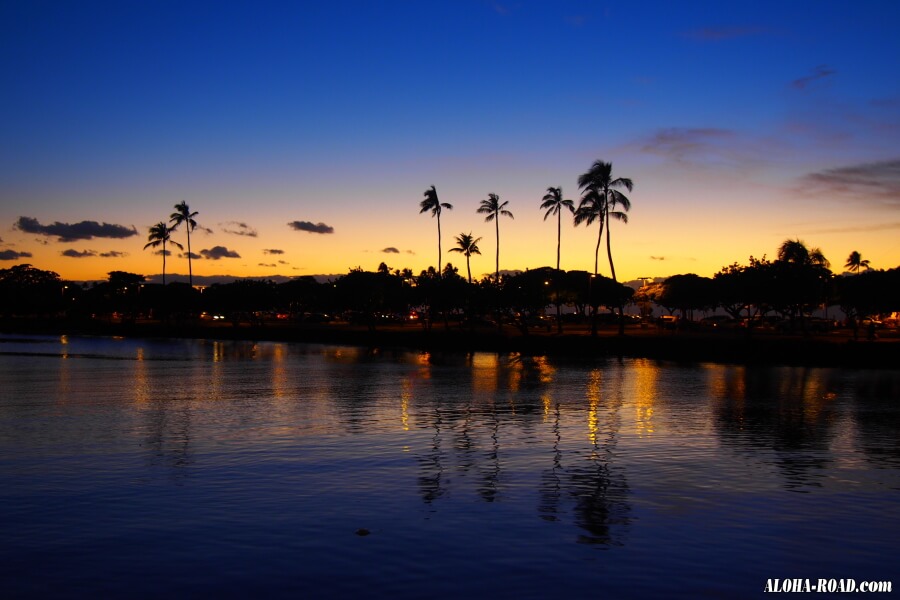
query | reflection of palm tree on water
(599,488)
(431,480)
(169,439)
(551,481)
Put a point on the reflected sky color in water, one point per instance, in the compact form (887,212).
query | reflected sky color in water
(229,468)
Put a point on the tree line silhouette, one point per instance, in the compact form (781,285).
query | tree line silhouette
(793,285)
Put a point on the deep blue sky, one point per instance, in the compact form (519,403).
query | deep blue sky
(741,124)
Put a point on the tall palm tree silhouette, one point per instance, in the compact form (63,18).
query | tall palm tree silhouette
(467,244)
(493,208)
(855,261)
(601,190)
(161,234)
(432,203)
(184,215)
(553,203)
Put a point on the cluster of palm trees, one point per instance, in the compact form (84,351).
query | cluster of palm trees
(602,200)
(161,234)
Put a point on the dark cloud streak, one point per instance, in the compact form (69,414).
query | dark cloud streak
(238,228)
(820,72)
(71,253)
(71,232)
(311,227)
(13,255)
(718,34)
(217,252)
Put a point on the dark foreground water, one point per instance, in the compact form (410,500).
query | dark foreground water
(133,468)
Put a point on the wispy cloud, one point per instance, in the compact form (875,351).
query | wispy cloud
(191,255)
(13,255)
(657,258)
(875,181)
(858,228)
(238,228)
(700,145)
(310,227)
(71,232)
(217,252)
(267,265)
(391,250)
(718,34)
(113,254)
(272,251)
(819,72)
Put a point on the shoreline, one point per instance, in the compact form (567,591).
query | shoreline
(724,347)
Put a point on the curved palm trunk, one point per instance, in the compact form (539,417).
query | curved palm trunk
(558,244)
(612,270)
(190,271)
(497,264)
(468,269)
(558,236)
(164,264)
(439,246)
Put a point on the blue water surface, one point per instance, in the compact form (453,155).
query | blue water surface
(185,468)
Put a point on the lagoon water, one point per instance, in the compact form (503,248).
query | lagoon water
(186,468)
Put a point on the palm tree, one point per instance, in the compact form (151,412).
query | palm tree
(181,215)
(467,244)
(795,251)
(493,208)
(592,208)
(161,234)
(553,203)
(600,189)
(432,203)
(855,261)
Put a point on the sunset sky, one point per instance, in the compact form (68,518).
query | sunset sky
(305,133)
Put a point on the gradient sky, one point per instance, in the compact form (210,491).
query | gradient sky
(742,124)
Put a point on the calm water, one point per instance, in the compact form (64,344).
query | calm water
(233,469)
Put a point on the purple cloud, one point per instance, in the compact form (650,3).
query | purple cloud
(76,254)
(13,255)
(71,232)
(238,228)
(310,227)
(217,252)
(878,181)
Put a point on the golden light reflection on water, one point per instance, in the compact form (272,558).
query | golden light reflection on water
(516,368)
(593,397)
(141,382)
(405,397)
(485,370)
(547,402)
(279,371)
(545,370)
(646,373)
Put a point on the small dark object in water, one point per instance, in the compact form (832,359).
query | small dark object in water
(362,531)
